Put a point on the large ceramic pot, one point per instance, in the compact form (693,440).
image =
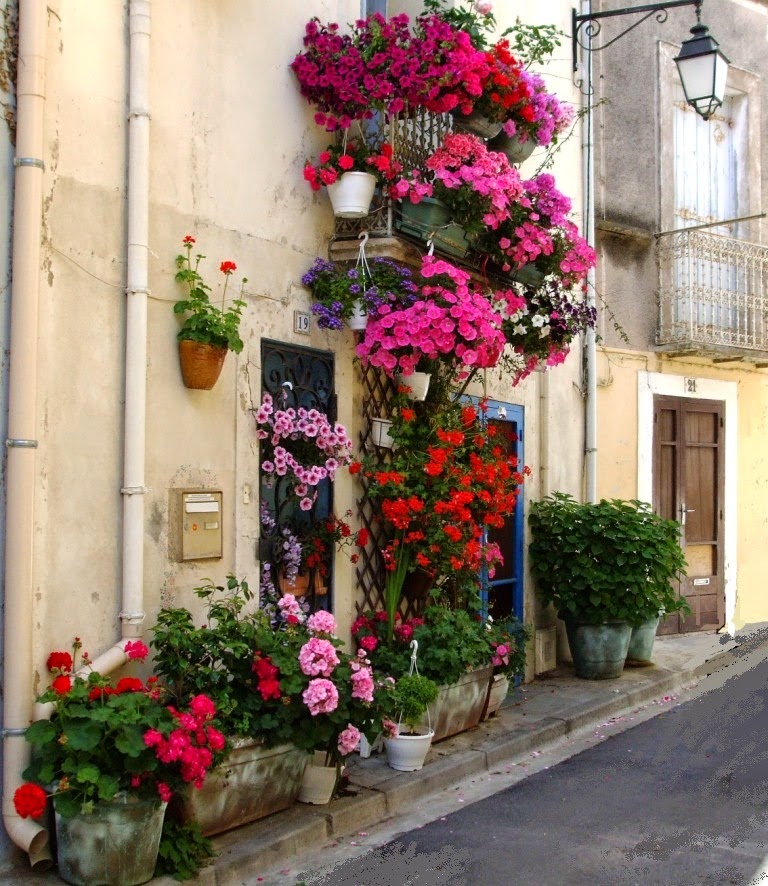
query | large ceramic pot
(250,784)
(459,706)
(116,845)
(200,364)
(351,194)
(407,753)
(641,643)
(598,651)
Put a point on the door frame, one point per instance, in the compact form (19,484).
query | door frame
(502,411)
(692,387)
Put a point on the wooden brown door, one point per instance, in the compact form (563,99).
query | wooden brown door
(688,452)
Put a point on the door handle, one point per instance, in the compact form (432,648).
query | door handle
(684,511)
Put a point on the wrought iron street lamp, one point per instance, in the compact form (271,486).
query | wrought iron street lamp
(702,66)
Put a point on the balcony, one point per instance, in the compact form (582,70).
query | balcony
(713,299)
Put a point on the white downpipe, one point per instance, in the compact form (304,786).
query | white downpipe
(137,290)
(590,346)
(22,420)
(22,423)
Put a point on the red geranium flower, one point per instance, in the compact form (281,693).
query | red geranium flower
(29,800)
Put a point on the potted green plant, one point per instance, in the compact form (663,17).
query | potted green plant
(605,566)
(284,688)
(408,743)
(208,330)
(507,640)
(112,756)
(455,649)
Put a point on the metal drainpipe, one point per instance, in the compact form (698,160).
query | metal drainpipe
(137,290)
(29,835)
(22,424)
(590,345)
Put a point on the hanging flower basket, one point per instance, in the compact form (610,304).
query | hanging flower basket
(351,194)
(513,147)
(477,124)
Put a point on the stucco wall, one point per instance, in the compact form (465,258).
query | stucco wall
(624,467)
(229,137)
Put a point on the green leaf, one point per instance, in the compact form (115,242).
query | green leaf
(83,735)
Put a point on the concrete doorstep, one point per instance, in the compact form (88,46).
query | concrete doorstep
(554,705)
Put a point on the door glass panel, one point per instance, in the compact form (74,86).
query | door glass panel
(296,376)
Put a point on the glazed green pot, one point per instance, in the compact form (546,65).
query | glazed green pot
(641,642)
(598,651)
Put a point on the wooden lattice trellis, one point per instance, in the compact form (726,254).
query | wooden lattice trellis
(370,575)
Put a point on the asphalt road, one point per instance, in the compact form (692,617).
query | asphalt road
(678,800)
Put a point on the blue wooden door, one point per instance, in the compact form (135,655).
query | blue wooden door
(502,594)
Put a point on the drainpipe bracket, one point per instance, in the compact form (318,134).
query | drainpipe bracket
(29,161)
(15,442)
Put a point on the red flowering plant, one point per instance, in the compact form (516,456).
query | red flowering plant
(213,324)
(104,739)
(448,479)
(278,674)
(351,155)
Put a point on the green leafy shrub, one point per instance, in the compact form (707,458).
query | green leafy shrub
(605,561)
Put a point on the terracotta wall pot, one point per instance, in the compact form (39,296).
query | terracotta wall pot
(116,845)
(250,784)
(460,705)
(201,364)
(298,585)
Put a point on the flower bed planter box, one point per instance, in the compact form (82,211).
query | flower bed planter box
(252,783)
(460,705)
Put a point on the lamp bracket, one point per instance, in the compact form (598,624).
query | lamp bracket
(589,23)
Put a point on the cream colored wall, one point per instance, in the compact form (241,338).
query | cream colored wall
(624,467)
(229,136)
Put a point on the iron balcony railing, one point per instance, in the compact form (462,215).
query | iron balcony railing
(713,296)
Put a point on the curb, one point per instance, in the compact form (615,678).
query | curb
(382,793)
